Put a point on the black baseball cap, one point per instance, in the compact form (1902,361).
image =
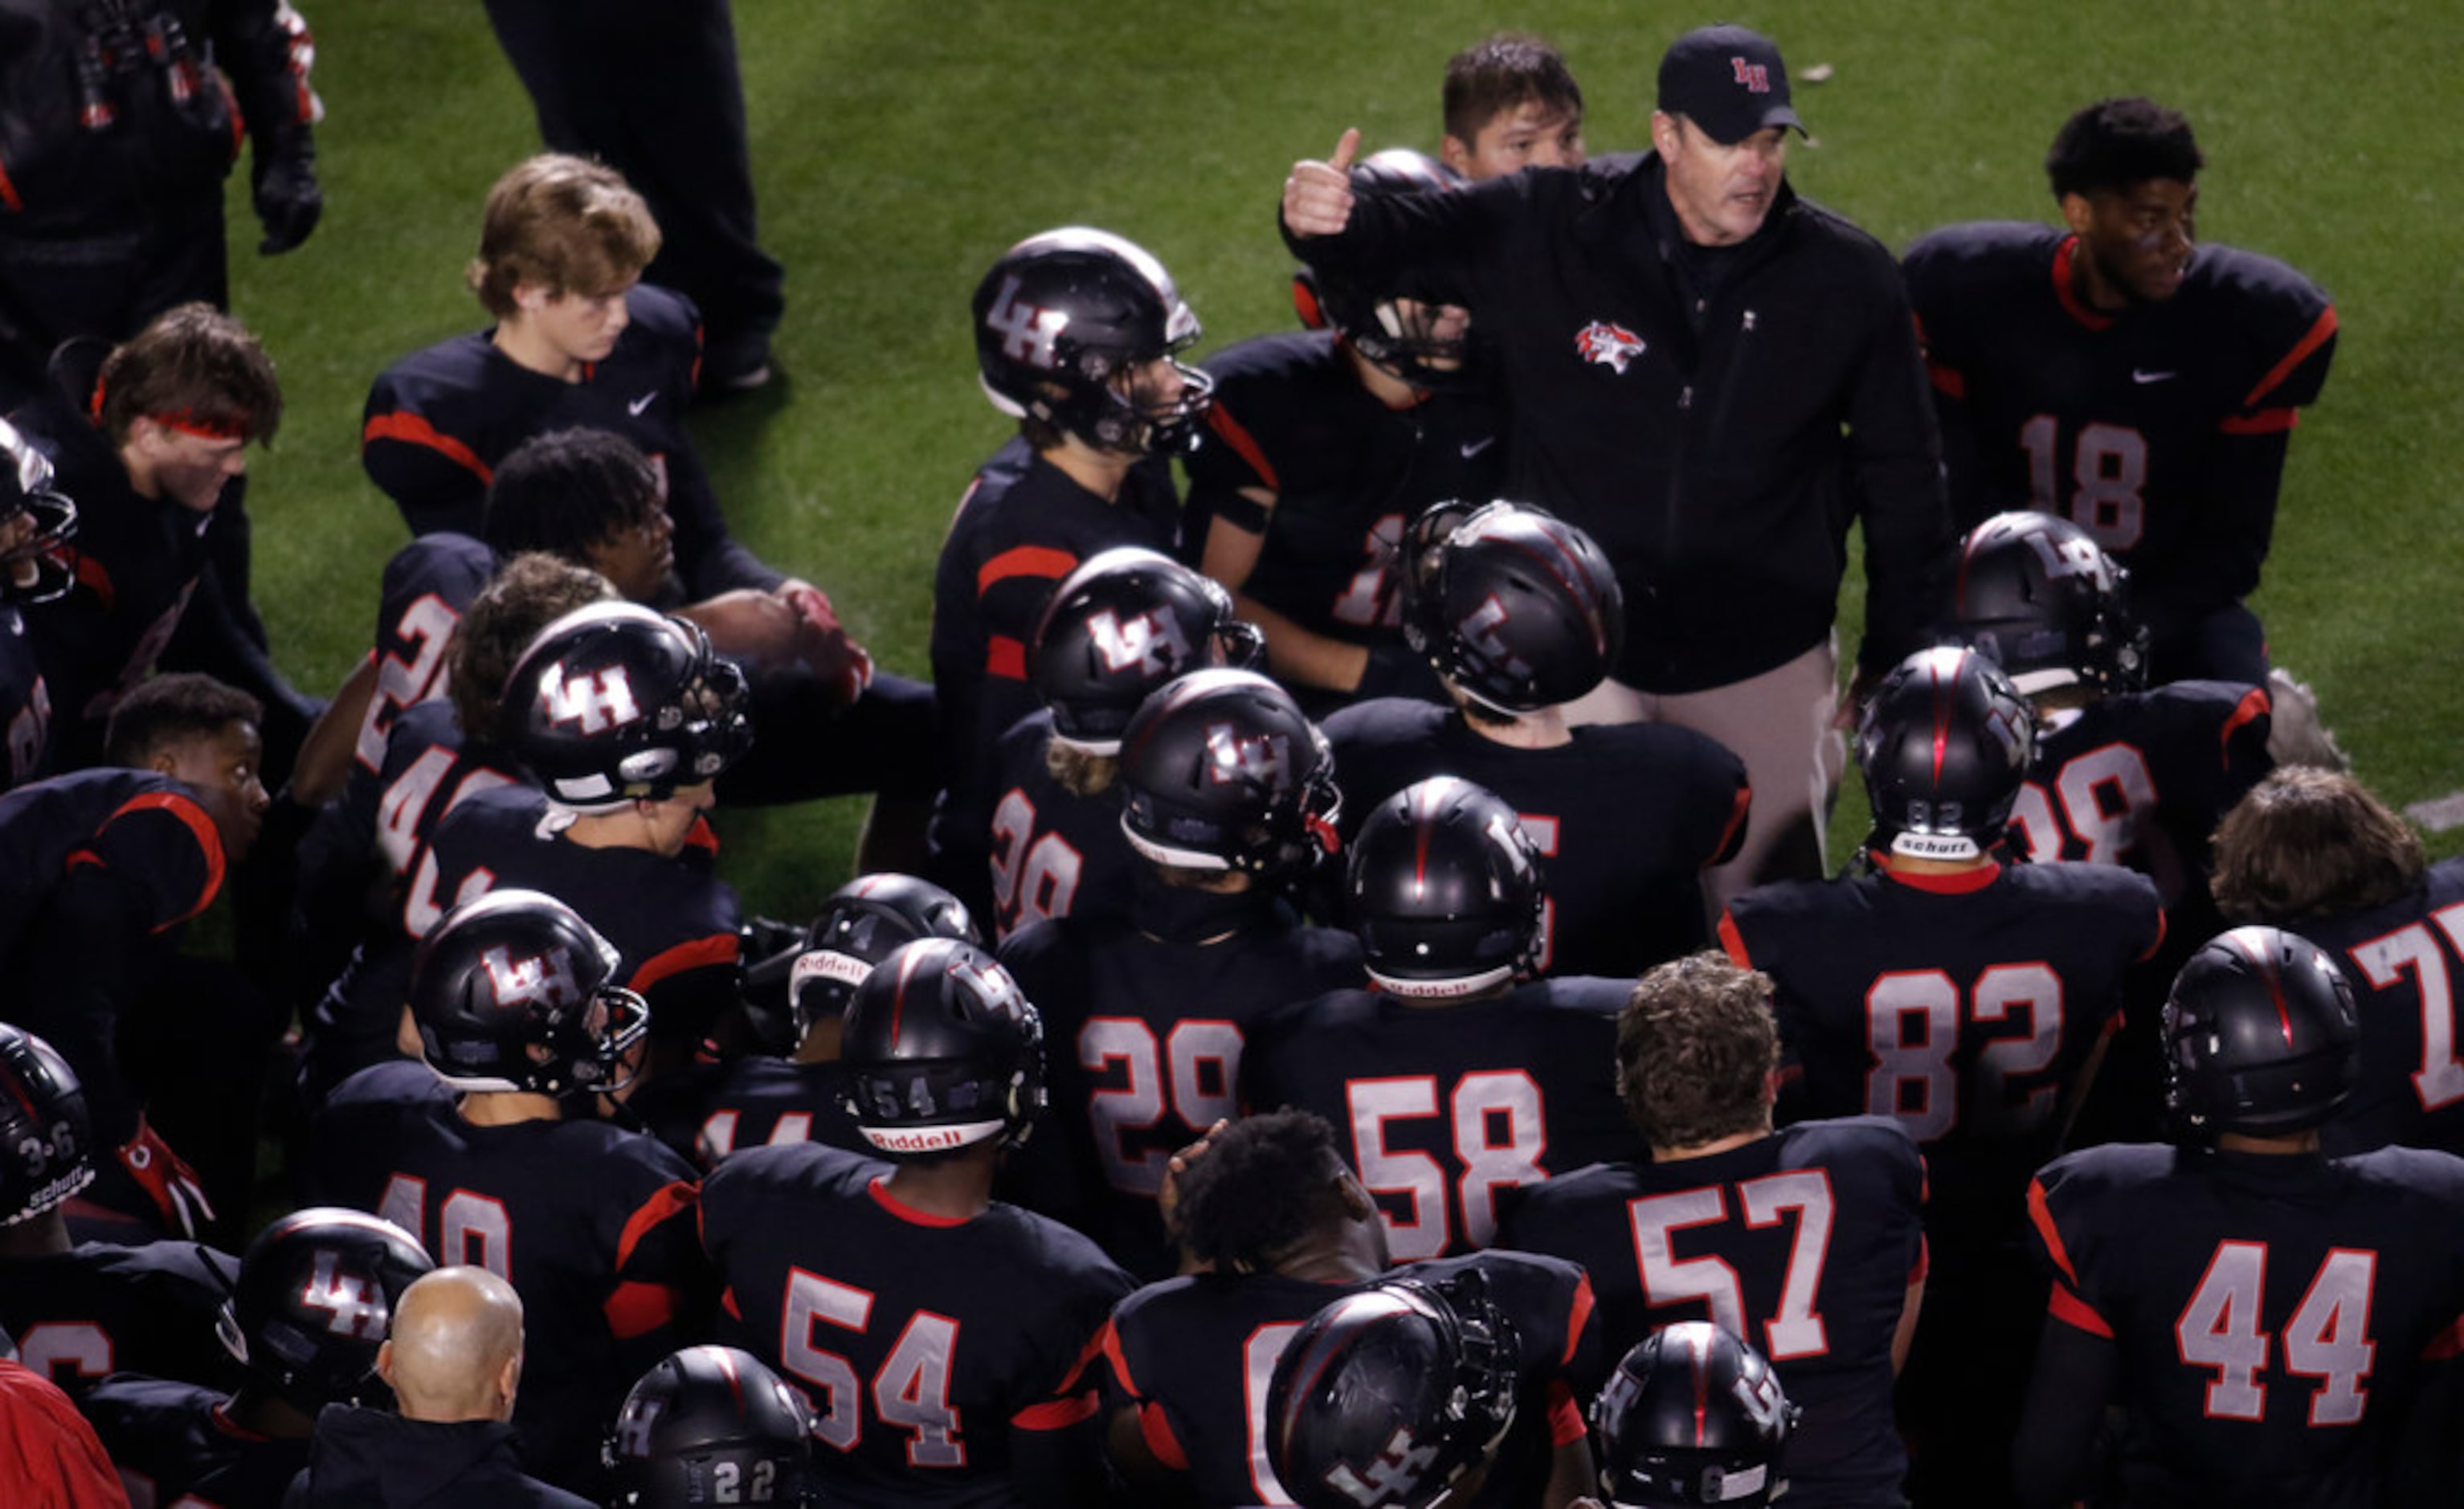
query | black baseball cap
(1728,80)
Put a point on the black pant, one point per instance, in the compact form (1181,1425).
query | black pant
(650,87)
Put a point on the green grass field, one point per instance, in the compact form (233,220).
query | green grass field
(899,148)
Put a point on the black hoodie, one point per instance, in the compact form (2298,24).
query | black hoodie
(363,1457)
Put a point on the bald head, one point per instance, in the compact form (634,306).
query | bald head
(456,1348)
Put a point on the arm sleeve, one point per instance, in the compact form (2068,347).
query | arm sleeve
(1430,245)
(435,479)
(2074,1379)
(1896,476)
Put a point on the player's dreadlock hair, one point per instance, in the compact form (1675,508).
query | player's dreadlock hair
(527,593)
(1696,1047)
(564,224)
(1265,1184)
(2113,144)
(162,710)
(1500,72)
(568,491)
(195,369)
(2309,843)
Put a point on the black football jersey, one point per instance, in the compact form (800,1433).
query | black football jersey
(1291,418)
(1964,1007)
(136,562)
(1446,1107)
(2160,430)
(591,1224)
(1026,848)
(440,421)
(147,828)
(2269,1312)
(1023,526)
(1803,1242)
(672,922)
(927,1345)
(1626,818)
(427,586)
(25,704)
(2405,961)
(1144,1024)
(2142,779)
(1193,1354)
(176,1447)
(101,1308)
(760,1101)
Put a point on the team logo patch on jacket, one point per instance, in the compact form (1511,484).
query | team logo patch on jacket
(1606,345)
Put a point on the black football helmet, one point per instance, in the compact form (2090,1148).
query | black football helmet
(941,1051)
(862,924)
(315,1300)
(711,1424)
(1693,1417)
(1388,1394)
(26,487)
(2036,593)
(1512,604)
(1945,742)
(1404,339)
(44,1125)
(1123,623)
(1444,891)
(1220,770)
(613,703)
(1063,315)
(515,991)
(2260,1037)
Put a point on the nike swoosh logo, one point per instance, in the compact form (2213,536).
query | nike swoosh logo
(1473,448)
(2138,376)
(636,407)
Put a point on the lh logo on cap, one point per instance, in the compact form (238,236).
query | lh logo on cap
(1755,76)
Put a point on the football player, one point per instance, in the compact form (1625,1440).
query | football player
(1041,837)
(578,339)
(1511,103)
(100,872)
(1809,1239)
(1519,614)
(941,1334)
(493,1153)
(2123,774)
(758,1100)
(1323,446)
(36,520)
(711,1424)
(315,1295)
(1693,1415)
(2263,1313)
(1077,332)
(2313,852)
(148,444)
(1275,1227)
(2114,373)
(79,1311)
(1968,998)
(437,750)
(624,718)
(1226,789)
(1458,1074)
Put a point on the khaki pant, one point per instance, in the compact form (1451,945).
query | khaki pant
(1779,725)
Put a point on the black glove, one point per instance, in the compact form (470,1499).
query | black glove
(288,201)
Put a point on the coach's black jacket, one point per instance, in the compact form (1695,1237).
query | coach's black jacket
(1716,454)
